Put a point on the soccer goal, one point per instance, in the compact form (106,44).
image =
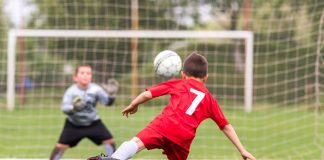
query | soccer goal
(178,40)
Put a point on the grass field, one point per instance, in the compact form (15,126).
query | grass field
(269,133)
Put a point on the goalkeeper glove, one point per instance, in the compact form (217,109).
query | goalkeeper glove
(78,104)
(111,87)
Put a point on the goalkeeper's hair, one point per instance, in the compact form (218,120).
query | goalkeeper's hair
(79,66)
(195,65)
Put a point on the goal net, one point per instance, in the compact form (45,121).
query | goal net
(269,83)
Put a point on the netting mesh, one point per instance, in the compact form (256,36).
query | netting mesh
(288,74)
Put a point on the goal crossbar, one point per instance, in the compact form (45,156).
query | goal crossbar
(13,34)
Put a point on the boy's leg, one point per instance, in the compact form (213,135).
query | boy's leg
(99,134)
(69,137)
(109,146)
(147,138)
(58,151)
(128,149)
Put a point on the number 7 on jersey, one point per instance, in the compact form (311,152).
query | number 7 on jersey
(196,101)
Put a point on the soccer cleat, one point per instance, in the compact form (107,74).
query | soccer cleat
(101,157)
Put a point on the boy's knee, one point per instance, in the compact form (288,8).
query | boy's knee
(136,139)
(109,141)
(140,145)
(62,146)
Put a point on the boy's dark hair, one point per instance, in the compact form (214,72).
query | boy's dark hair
(195,65)
(79,66)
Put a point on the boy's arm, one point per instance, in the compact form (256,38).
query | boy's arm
(69,107)
(229,131)
(105,98)
(111,88)
(132,108)
(66,106)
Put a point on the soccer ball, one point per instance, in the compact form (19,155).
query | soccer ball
(167,64)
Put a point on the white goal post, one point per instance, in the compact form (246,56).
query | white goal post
(247,36)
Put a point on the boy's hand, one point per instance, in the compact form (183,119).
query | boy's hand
(131,109)
(78,104)
(246,155)
(111,87)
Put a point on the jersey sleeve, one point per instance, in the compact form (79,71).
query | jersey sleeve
(217,115)
(67,101)
(160,89)
(102,95)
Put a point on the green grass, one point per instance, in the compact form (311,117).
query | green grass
(269,133)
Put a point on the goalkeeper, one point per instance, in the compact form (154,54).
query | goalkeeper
(79,104)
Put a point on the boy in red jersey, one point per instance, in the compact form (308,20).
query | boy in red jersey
(174,129)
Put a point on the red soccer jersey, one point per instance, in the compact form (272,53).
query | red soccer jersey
(190,103)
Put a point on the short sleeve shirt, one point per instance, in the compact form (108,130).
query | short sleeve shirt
(190,103)
(90,96)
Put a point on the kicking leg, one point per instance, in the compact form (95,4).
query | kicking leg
(128,149)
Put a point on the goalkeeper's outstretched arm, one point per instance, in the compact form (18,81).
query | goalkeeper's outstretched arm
(111,101)
(229,131)
(111,88)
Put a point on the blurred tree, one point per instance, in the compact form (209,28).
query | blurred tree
(99,15)
(278,26)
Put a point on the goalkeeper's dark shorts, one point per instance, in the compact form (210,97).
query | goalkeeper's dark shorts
(72,134)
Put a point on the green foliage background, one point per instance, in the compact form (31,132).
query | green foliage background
(278,26)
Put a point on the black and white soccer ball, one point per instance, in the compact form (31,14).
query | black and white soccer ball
(167,64)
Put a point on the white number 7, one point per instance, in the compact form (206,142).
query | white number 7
(196,101)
